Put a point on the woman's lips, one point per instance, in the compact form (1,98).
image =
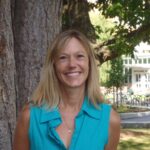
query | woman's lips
(72,74)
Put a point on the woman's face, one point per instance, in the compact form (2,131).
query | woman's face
(72,65)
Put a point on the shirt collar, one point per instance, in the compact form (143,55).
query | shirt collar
(48,114)
(90,109)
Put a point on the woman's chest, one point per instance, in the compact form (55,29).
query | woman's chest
(87,135)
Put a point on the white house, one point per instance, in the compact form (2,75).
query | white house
(138,69)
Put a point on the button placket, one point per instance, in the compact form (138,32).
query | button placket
(78,125)
(53,133)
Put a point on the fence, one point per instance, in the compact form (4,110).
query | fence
(134,101)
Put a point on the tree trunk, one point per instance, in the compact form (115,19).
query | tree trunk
(36,23)
(76,16)
(26,30)
(7,77)
(117,102)
(114,95)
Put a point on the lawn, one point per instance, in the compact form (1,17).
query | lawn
(126,109)
(134,139)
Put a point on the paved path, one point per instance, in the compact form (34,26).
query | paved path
(136,119)
(143,119)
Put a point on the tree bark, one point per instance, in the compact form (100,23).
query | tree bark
(76,16)
(7,77)
(27,28)
(36,23)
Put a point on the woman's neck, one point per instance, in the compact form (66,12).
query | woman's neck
(72,99)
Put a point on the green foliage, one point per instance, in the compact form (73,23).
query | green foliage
(131,23)
(122,109)
(118,25)
(116,75)
(126,109)
(129,12)
(102,26)
(103,71)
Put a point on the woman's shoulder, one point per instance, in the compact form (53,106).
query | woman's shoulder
(113,115)
(21,132)
(24,115)
(114,131)
(114,118)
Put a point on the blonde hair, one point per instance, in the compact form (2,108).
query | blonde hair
(48,88)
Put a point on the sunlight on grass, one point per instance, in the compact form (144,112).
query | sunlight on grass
(134,139)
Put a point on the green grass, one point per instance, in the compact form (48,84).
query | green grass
(125,109)
(134,139)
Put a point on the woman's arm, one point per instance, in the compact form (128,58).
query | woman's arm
(21,141)
(114,131)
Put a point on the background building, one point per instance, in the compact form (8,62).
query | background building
(138,69)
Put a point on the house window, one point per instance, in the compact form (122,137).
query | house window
(125,61)
(140,61)
(145,61)
(138,85)
(148,78)
(136,61)
(138,77)
(128,77)
(130,61)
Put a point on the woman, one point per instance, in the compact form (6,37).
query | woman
(68,112)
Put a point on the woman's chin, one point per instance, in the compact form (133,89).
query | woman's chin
(74,85)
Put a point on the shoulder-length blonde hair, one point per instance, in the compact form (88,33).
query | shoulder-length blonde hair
(48,88)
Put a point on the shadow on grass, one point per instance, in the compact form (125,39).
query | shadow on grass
(132,145)
(133,133)
(134,139)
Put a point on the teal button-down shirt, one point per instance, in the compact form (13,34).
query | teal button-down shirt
(90,133)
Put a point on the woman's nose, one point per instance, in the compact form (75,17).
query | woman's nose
(72,62)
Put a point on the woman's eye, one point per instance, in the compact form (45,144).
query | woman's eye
(80,56)
(62,57)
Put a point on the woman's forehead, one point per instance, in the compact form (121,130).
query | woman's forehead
(71,43)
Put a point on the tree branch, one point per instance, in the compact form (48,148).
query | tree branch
(140,31)
(104,54)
